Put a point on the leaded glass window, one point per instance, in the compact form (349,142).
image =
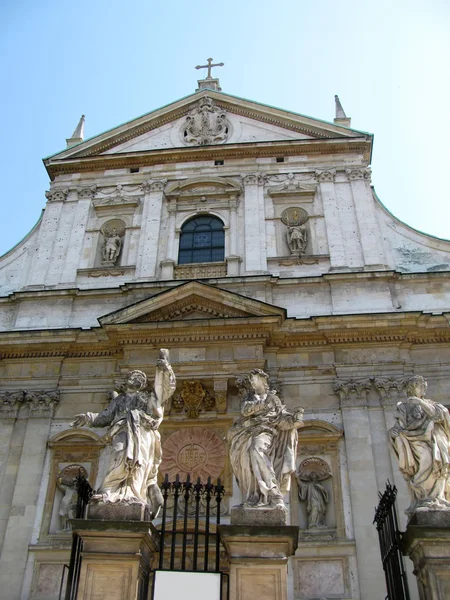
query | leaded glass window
(202,239)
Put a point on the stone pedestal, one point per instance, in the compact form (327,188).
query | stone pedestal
(427,543)
(116,558)
(258,558)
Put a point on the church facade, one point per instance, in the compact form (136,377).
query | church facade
(238,236)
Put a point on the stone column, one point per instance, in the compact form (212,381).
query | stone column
(332,218)
(117,557)
(72,262)
(47,233)
(369,230)
(363,485)
(150,228)
(254,224)
(258,557)
(22,515)
(168,263)
(427,543)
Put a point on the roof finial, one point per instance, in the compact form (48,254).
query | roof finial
(209,82)
(341,118)
(77,135)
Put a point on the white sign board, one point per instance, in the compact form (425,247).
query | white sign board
(188,585)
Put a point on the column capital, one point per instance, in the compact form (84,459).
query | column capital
(325,176)
(153,185)
(42,403)
(57,194)
(353,393)
(362,173)
(86,192)
(254,179)
(10,403)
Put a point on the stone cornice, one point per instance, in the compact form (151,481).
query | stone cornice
(359,145)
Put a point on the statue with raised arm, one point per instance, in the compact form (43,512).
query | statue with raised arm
(133,418)
(421,442)
(263,443)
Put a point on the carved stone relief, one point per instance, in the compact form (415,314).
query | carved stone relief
(296,232)
(354,392)
(39,403)
(57,195)
(113,232)
(196,451)
(206,124)
(193,398)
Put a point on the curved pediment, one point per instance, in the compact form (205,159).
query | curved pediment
(203,186)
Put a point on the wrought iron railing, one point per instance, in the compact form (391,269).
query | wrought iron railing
(189,511)
(389,537)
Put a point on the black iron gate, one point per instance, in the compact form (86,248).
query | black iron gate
(389,537)
(189,537)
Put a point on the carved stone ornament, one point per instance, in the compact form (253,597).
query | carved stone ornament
(296,233)
(10,403)
(153,185)
(420,440)
(263,444)
(196,451)
(326,176)
(206,124)
(192,399)
(42,404)
(133,417)
(310,472)
(67,484)
(87,193)
(113,232)
(355,174)
(254,179)
(352,392)
(57,194)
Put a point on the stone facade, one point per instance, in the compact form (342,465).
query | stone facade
(338,325)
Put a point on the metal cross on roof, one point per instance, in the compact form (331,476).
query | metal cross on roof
(209,67)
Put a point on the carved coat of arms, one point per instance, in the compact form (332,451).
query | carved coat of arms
(206,124)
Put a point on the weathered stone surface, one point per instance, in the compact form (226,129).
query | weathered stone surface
(119,511)
(271,517)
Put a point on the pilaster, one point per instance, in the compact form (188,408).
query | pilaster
(254,223)
(369,230)
(363,486)
(150,228)
(332,218)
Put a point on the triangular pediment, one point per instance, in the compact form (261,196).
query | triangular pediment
(191,301)
(233,121)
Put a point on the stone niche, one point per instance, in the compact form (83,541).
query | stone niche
(324,562)
(72,452)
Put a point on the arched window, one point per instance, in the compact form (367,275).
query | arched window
(202,239)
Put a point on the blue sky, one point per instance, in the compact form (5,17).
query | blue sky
(113,61)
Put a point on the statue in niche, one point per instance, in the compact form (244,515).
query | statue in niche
(296,235)
(111,247)
(133,417)
(297,239)
(310,472)
(67,483)
(420,439)
(263,443)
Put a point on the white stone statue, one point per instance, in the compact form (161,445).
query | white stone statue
(112,247)
(421,442)
(67,483)
(316,497)
(133,418)
(297,239)
(263,443)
